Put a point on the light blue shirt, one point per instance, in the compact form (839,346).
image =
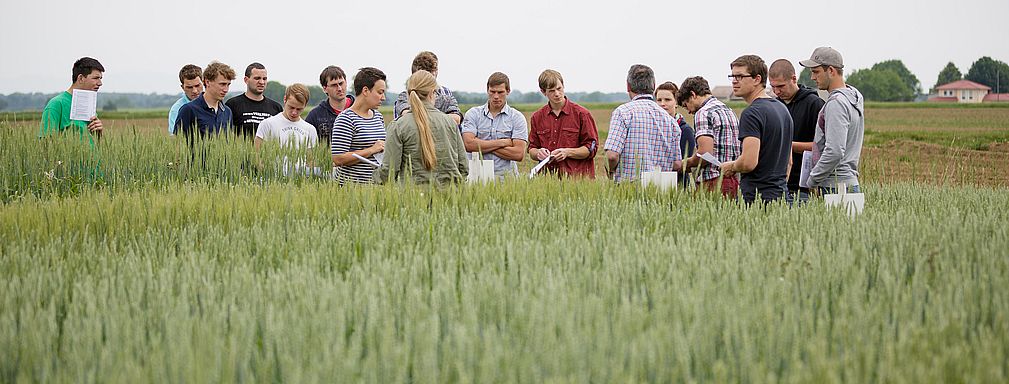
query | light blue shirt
(509,124)
(173,114)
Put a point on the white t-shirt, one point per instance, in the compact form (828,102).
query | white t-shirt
(288,132)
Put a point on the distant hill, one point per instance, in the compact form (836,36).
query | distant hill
(110,101)
(106,101)
(519,97)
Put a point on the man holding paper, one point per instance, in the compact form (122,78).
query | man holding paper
(642,135)
(840,124)
(717,132)
(765,131)
(563,131)
(56,117)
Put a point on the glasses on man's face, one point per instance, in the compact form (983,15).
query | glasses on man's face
(739,77)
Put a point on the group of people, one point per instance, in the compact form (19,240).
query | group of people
(757,156)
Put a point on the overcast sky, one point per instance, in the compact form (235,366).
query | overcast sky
(143,44)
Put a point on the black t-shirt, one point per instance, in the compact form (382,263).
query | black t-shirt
(768,120)
(247,113)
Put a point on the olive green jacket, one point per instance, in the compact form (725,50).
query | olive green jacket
(402,157)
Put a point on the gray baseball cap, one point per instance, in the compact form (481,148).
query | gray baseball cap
(824,56)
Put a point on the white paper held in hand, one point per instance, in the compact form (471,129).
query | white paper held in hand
(707,156)
(807,166)
(365,160)
(83,105)
(540,166)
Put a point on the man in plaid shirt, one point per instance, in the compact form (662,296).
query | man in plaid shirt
(717,132)
(444,100)
(642,135)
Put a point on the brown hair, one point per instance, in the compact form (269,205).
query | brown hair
(189,72)
(217,68)
(299,92)
(550,79)
(498,78)
(426,60)
(695,84)
(419,86)
(781,69)
(754,65)
(367,77)
(84,66)
(667,86)
(331,72)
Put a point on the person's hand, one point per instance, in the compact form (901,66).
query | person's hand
(727,170)
(560,154)
(542,153)
(379,146)
(95,126)
(505,142)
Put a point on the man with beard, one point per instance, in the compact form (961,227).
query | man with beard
(252,107)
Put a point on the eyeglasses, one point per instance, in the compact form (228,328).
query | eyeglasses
(740,77)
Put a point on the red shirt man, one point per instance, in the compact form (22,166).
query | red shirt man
(564,130)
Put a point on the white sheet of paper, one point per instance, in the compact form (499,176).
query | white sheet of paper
(365,160)
(807,166)
(83,105)
(707,156)
(540,166)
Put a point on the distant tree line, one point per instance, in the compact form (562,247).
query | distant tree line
(888,80)
(891,81)
(36,101)
(987,71)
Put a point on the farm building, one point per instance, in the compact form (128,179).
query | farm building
(966,91)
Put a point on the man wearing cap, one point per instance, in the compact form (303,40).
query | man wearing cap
(804,105)
(840,125)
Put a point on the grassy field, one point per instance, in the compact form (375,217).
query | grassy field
(136,263)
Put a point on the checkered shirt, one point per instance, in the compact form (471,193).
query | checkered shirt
(645,136)
(717,120)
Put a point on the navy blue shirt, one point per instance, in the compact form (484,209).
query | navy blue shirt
(768,120)
(196,116)
(687,144)
(322,117)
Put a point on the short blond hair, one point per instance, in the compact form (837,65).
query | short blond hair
(299,92)
(550,79)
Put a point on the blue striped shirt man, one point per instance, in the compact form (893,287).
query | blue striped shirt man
(353,132)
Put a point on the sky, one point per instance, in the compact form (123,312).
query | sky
(143,44)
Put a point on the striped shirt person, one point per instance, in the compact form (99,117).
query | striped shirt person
(353,132)
(360,130)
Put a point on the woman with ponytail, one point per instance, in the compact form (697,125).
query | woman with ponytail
(425,145)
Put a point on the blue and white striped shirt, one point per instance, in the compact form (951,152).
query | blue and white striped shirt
(353,132)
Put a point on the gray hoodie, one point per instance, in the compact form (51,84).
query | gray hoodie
(837,144)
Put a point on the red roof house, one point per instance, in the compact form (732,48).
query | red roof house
(961,91)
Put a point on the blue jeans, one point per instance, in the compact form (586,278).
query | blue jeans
(803,196)
(832,190)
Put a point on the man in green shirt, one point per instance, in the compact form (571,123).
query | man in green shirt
(87,75)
